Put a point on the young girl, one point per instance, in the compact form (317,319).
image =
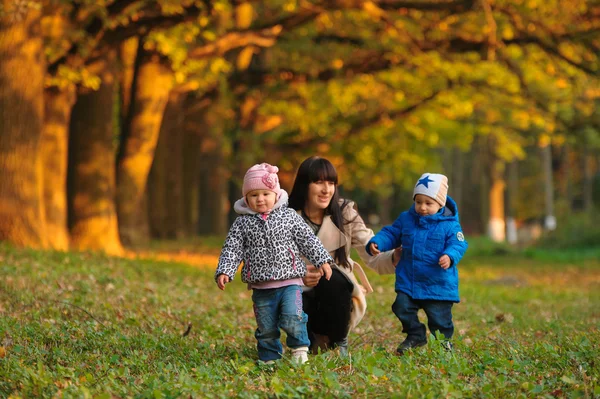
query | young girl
(269,238)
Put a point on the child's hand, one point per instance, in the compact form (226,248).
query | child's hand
(373,248)
(222,279)
(445,262)
(326,270)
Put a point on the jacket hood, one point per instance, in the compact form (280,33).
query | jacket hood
(241,207)
(448,212)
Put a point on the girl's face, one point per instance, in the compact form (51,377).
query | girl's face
(261,201)
(320,194)
(425,205)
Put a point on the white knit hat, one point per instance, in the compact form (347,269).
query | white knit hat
(432,185)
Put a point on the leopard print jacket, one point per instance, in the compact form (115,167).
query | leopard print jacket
(270,248)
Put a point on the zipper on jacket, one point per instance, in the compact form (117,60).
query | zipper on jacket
(293,259)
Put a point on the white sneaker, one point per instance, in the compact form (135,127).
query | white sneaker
(300,355)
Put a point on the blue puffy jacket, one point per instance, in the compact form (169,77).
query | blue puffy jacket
(424,240)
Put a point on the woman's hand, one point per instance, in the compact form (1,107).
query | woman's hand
(396,256)
(312,277)
(326,270)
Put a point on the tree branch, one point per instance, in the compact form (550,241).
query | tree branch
(97,29)
(264,38)
(94,28)
(375,119)
(144,25)
(426,5)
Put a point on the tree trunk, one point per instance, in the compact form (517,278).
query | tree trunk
(91,176)
(55,139)
(496,223)
(127,56)
(477,199)
(549,217)
(165,183)
(385,211)
(457,183)
(588,181)
(212,178)
(511,225)
(151,86)
(22,69)
(194,168)
(566,183)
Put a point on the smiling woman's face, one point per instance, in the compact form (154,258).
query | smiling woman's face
(320,194)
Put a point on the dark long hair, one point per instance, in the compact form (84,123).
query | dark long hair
(315,169)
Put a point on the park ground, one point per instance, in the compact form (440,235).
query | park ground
(154,325)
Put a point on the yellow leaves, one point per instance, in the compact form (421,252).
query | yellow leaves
(561,83)
(266,123)
(533,4)
(203,21)
(545,140)
(323,148)
(244,58)
(521,119)
(507,32)
(66,76)
(492,116)
(244,15)
(373,10)
(324,21)
(2,352)
(337,63)
(290,6)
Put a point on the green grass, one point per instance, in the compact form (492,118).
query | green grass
(83,325)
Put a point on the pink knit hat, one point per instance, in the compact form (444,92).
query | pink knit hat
(261,177)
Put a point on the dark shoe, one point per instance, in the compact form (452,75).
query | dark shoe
(343,350)
(409,343)
(342,347)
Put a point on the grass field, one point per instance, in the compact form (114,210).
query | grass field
(83,325)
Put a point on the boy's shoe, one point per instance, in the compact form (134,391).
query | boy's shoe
(268,366)
(447,345)
(408,344)
(300,355)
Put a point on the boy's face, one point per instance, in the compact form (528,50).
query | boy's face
(261,201)
(425,205)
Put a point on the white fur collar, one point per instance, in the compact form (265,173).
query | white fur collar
(241,207)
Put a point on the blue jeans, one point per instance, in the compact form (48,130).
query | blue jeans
(277,308)
(439,316)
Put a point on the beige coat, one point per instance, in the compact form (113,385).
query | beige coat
(356,235)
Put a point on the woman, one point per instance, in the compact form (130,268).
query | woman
(334,307)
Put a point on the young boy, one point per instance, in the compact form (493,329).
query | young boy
(269,238)
(427,276)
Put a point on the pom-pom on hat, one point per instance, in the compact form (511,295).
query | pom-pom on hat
(432,185)
(261,177)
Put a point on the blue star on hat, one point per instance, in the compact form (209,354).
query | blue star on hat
(425,181)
